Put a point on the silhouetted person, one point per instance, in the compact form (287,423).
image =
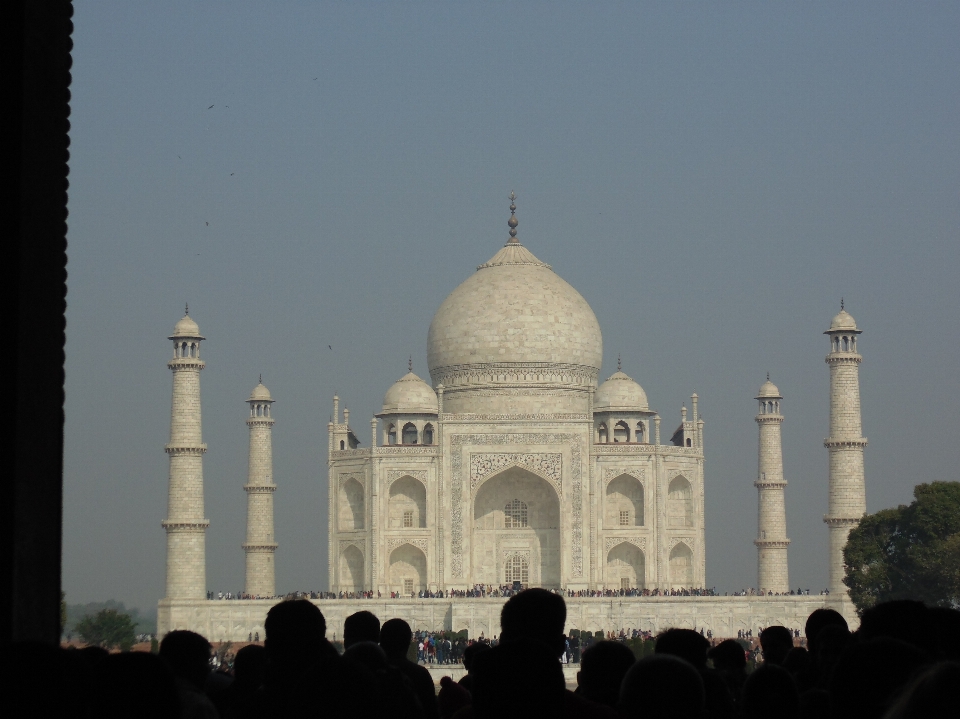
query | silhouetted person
(870,675)
(522,675)
(932,694)
(692,647)
(602,669)
(770,693)
(392,691)
(730,661)
(662,686)
(819,620)
(361,627)
(305,677)
(776,642)
(395,638)
(188,656)
(469,655)
(945,623)
(249,670)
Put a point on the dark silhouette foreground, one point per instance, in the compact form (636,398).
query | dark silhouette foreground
(901,663)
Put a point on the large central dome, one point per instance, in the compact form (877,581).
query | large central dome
(514,322)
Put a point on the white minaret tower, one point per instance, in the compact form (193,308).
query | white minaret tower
(185,524)
(771,541)
(260,546)
(847,499)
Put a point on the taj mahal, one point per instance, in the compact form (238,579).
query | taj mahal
(513,464)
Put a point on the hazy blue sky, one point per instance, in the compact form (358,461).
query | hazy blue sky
(712,177)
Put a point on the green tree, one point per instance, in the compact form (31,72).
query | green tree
(910,552)
(107,628)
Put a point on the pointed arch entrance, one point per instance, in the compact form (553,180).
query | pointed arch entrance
(516,522)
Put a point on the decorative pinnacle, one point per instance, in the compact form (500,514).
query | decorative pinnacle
(410,364)
(513,221)
(768,376)
(261,379)
(841,304)
(618,362)
(186,309)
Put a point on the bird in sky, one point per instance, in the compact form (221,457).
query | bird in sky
(179,158)
(314,78)
(210,108)
(231,174)
(207,224)
(329,347)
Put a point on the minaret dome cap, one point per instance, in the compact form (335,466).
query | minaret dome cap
(843,322)
(620,393)
(768,390)
(186,327)
(260,394)
(410,395)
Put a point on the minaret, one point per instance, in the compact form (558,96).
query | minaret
(260,545)
(185,524)
(771,541)
(847,500)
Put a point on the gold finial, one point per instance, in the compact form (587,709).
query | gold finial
(410,364)
(618,362)
(186,309)
(261,379)
(513,221)
(841,304)
(768,376)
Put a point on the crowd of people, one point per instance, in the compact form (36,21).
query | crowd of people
(902,662)
(483,591)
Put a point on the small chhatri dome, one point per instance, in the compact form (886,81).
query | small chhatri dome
(768,390)
(410,395)
(186,328)
(843,321)
(260,394)
(620,393)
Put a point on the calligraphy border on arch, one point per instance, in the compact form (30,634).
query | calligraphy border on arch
(394,474)
(530,438)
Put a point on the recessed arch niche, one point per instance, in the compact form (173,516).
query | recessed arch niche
(407,495)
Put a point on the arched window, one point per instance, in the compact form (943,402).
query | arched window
(428,434)
(621,432)
(391,434)
(640,432)
(409,433)
(602,434)
(846,344)
(689,442)
(681,566)
(341,444)
(624,503)
(515,514)
(680,503)
(516,569)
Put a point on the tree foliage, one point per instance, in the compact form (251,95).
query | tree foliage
(108,628)
(910,552)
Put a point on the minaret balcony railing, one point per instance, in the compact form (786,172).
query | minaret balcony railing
(185,449)
(186,363)
(177,525)
(260,546)
(772,543)
(260,488)
(844,358)
(858,442)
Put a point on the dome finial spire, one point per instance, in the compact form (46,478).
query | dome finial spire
(260,379)
(841,304)
(186,308)
(410,364)
(618,362)
(513,221)
(768,376)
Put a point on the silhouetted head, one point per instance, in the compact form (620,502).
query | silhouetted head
(602,669)
(684,643)
(367,654)
(535,614)
(817,621)
(662,686)
(797,661)
(728,656)
(776,643)
(518,678)
(470,653)
(188,656)
(249,665)
(294,630)
(395,637)
(932,694)
(903,619)
(769,693)
(870,674)
(361,627)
